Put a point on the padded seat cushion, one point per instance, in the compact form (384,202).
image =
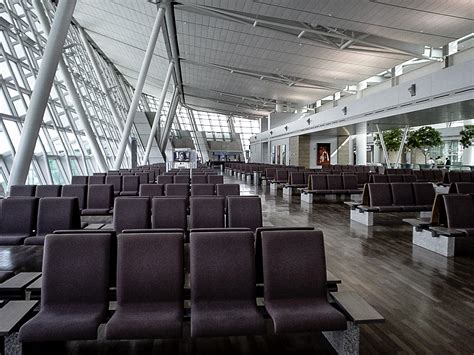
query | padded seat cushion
(224,318)
(96,211)
(144,321)
(61,323)
(38,240)
(128,193)
(12,239)
(299,315)
(387,208)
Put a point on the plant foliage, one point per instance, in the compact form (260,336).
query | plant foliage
(467,135)
(392,139)
(424,138)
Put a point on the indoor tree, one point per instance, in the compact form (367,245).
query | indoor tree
(424,138)
(467,135)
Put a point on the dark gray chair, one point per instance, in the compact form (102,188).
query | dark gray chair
(215,179)
(403,196)
(151,190)
(48,191)
(244,211)
(55,213)
(202,190)
(169,212)
(207,212)
(22,190)
(79,180)
(181,179)
(131,184)
(424,195)
(17,219)
(116,182)
(143,177)
(78,191)
(228,190)
(150,285)
(223,285)
(460,212)
(165,179)
(96,179)
(131,213)
(100,200)
(295,293)
(199,179)
(74,289)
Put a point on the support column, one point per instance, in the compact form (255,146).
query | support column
(468,153)
(169,122)
(384,148)
(40,95)
(139,87)
(402,144)
(156,120)
(361,143)
(76,101)
(351,150)
(102,83)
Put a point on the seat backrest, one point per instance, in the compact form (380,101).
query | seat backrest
(151,190)
(131,183)
(270,173)
(459,210)
(100,196)
(116,181)
(334,182)
(75,270)
(418,174)
(48,191)
(465,187)
(79,180)
(228,189)
(215,179)
(207,212)
(202,189)
(438,175)
(294,265)
(394,178)
(296,178)
(318,182)
(78,191)
(169,212)
(454,176)
(403,194)
(177,190)
(144,178)
(22,190)
(199,179)
(165,179)
(377,178)
(258,246)
(362,178)
(212,256)
(150,268)
(428,175)
(409,178)
(96,179)
(349,182)
(281,175)
(380,194)
(424,193)
(56,213)
(181,179)
(131,213)
(244,211)
(464,176)
(18,215)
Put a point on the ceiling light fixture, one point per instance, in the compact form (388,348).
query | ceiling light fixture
(301,34)
(261,78)
(255,23)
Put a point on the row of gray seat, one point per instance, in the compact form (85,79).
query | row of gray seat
(150,286)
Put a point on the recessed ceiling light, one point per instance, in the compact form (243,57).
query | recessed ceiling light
(300,44)
(329,14)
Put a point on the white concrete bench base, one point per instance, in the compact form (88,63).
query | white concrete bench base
(273,186)
(287,191)
(440,244)
(306,198)
(256,178)
(365,218)
(345,341)
(248,178)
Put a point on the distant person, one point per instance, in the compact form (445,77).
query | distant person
(447,162)
(431,161)
(439,160)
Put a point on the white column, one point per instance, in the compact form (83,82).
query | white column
(102,83)
(139,87)
(351,150)
(76,101)
(41,91)
(361,143)
(156,120)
